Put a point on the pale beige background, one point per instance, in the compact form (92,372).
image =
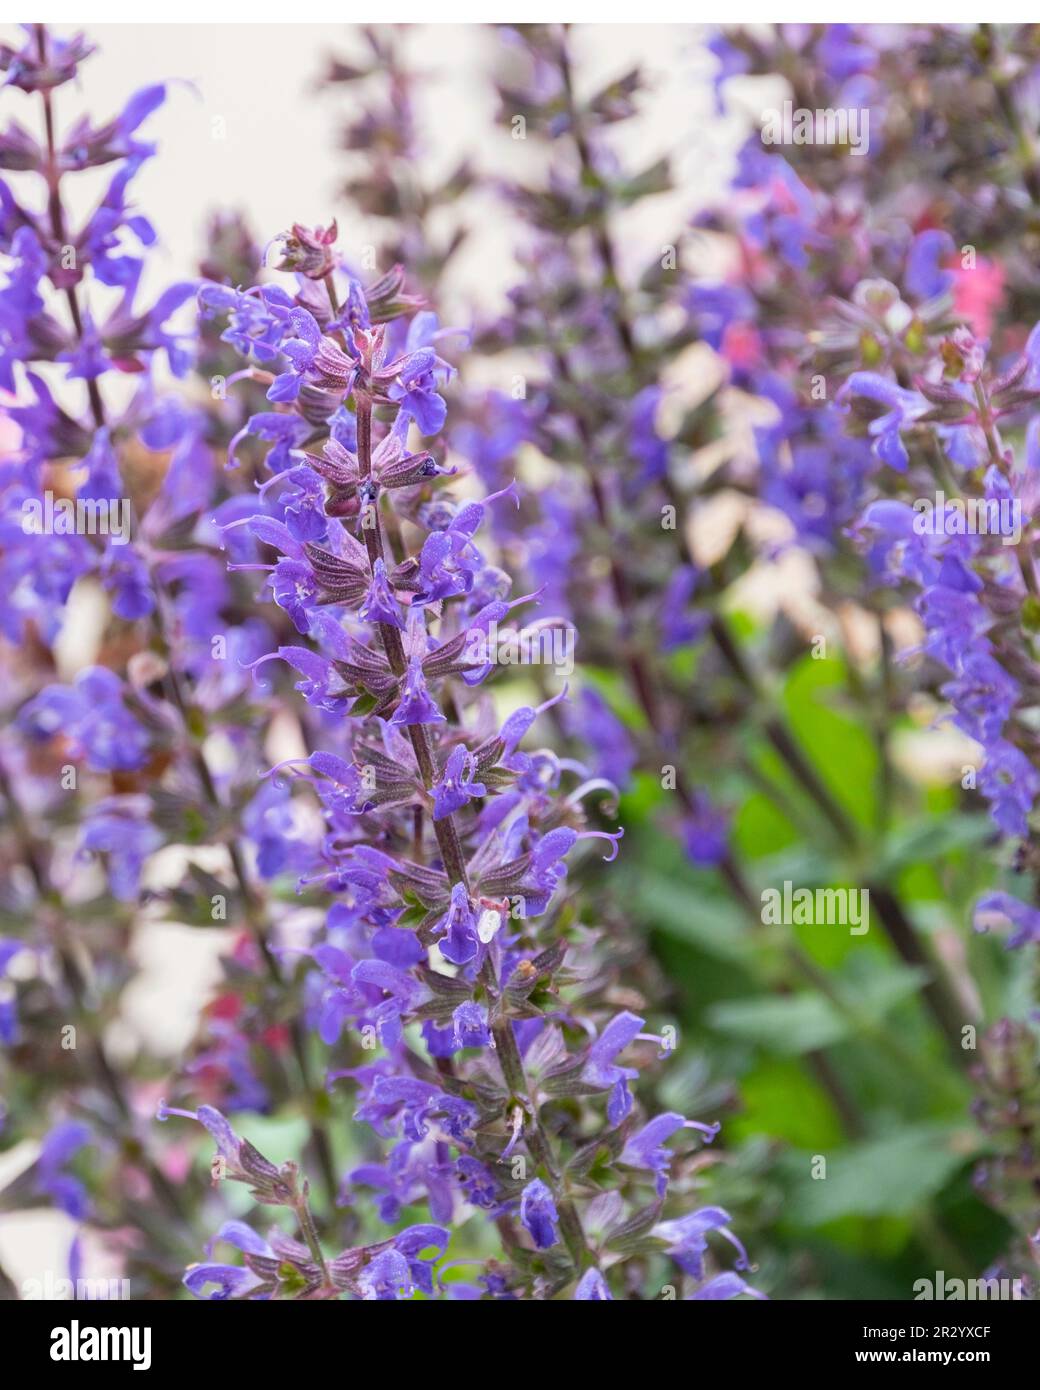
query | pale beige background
(247,125)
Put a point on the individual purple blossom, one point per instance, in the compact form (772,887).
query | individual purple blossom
(125,575)
(8,999)
(53,1179)
(459,942)
(422,1246)
(470,1023)
(682,625)
(416,705)
(416,387)
(705,832)
(687,1238)
(983,694)
(413,1172)
(457,785)
(601,1069)
(93,716)
(380,605)
(646,1147)
(296,591)
(1003,907)
(592,1288)
(538,1214)
(725,1286)
(227,1281)
(925,276)
(901,408)
(119,830)
(613,753)
(1011,784)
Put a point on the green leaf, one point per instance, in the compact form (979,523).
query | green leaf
(687,912)
(782,1099)
(893,1176)
(930,838)
(876,986)
(798,1023)
(759,828)
(840,749)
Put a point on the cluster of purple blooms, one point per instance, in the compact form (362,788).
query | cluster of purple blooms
(958,608)
(322,603)
(878,305)
(887,392)
(598,349)
(460,995)
(80,403)
(446,841)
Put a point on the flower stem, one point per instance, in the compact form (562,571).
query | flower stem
(538,1142)
(310,1236)
(445,829)
(455,866)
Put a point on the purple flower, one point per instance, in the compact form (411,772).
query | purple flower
(229,1145)
(125,576)
(1011,784)
(646,445)
(983,695)
(387,1277)
(8,1000)
(687,1238)
(470,1024)
(902,408)
(614,754)
(592,1288)
(715,307)
(88,359)
(295,590)
(422,1246)
(65,1190)
(92,715)
(706,832)
(646,1147)
(724,1286)
(456,786)
(300,346)
(228,1281)
(459,942)
(416,705)
(924,277)
(538,1214)
(118,829)
(1003,907)
(415,386)
(601,1070)
(380,605)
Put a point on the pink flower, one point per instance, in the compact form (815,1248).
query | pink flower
(977,293)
